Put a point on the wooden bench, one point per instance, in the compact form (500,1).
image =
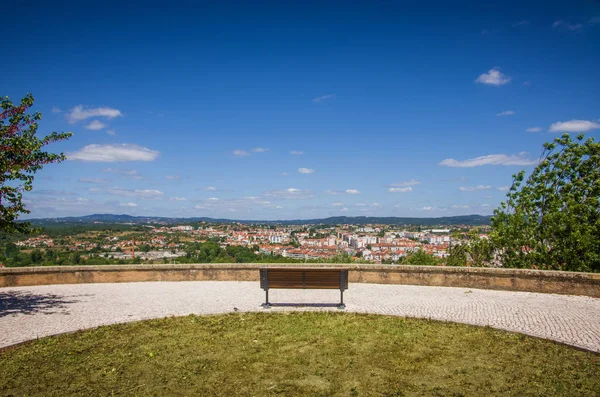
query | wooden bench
(304,278)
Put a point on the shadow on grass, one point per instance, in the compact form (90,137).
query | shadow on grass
(17,302)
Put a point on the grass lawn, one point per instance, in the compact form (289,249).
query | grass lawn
(306,354)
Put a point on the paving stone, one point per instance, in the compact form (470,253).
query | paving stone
(34,312)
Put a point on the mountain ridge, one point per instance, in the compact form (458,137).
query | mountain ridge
(473,220)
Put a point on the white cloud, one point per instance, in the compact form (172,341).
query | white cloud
(297,152)
(348,191)
(345,209)
(291,193)
(93,180)
(56,110)
(261,150)
(491,159)
(210,188)
(375,204)
(400,189)
(129,174)
(493,77)
(412,182)
(324,98)
(244,204)
(521,23)
(177,199)
(427,208)
(284,174)
(506,113)
(114,153)
(111,132)
(574,126)
(474,188)
(173,177)
(534,129)
(563,25)
(240,153)
(503,188)
(80,112)
(143,193)
(460,206)
(306,171)
(95,125)
(360,204)
(337,204)
(128,204)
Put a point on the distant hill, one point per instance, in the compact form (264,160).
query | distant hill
(471,220)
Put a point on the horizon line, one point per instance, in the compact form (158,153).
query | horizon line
(256,220)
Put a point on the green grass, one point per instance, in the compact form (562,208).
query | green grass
(306,354)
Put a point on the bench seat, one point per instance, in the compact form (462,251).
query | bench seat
(304,278)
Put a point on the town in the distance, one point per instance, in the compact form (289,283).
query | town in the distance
(100,242)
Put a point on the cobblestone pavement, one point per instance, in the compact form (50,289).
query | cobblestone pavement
(33,312)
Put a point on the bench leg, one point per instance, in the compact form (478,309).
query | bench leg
(266,305)
(341,305)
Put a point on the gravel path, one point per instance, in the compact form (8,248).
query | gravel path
(33,312)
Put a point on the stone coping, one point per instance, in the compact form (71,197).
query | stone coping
(367,267)
(571,283)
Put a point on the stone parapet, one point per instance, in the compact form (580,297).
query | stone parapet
(569,283)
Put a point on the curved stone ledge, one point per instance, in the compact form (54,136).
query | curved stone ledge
(569,283)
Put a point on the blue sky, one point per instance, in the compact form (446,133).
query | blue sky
(298,109)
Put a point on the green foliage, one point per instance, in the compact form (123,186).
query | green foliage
(477,251)
(11,250)
(21,156)
(420,258)
(211,252)
(339,258)
(552,221)
(457,255)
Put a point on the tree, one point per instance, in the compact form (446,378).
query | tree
(480,250)
(420,258)
(457,256)
(36,256)
(76,258)
(11,250)
(552,221)
(21,156)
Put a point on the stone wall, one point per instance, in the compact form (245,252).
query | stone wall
(587,284)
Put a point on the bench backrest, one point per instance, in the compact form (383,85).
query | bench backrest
(304,278)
